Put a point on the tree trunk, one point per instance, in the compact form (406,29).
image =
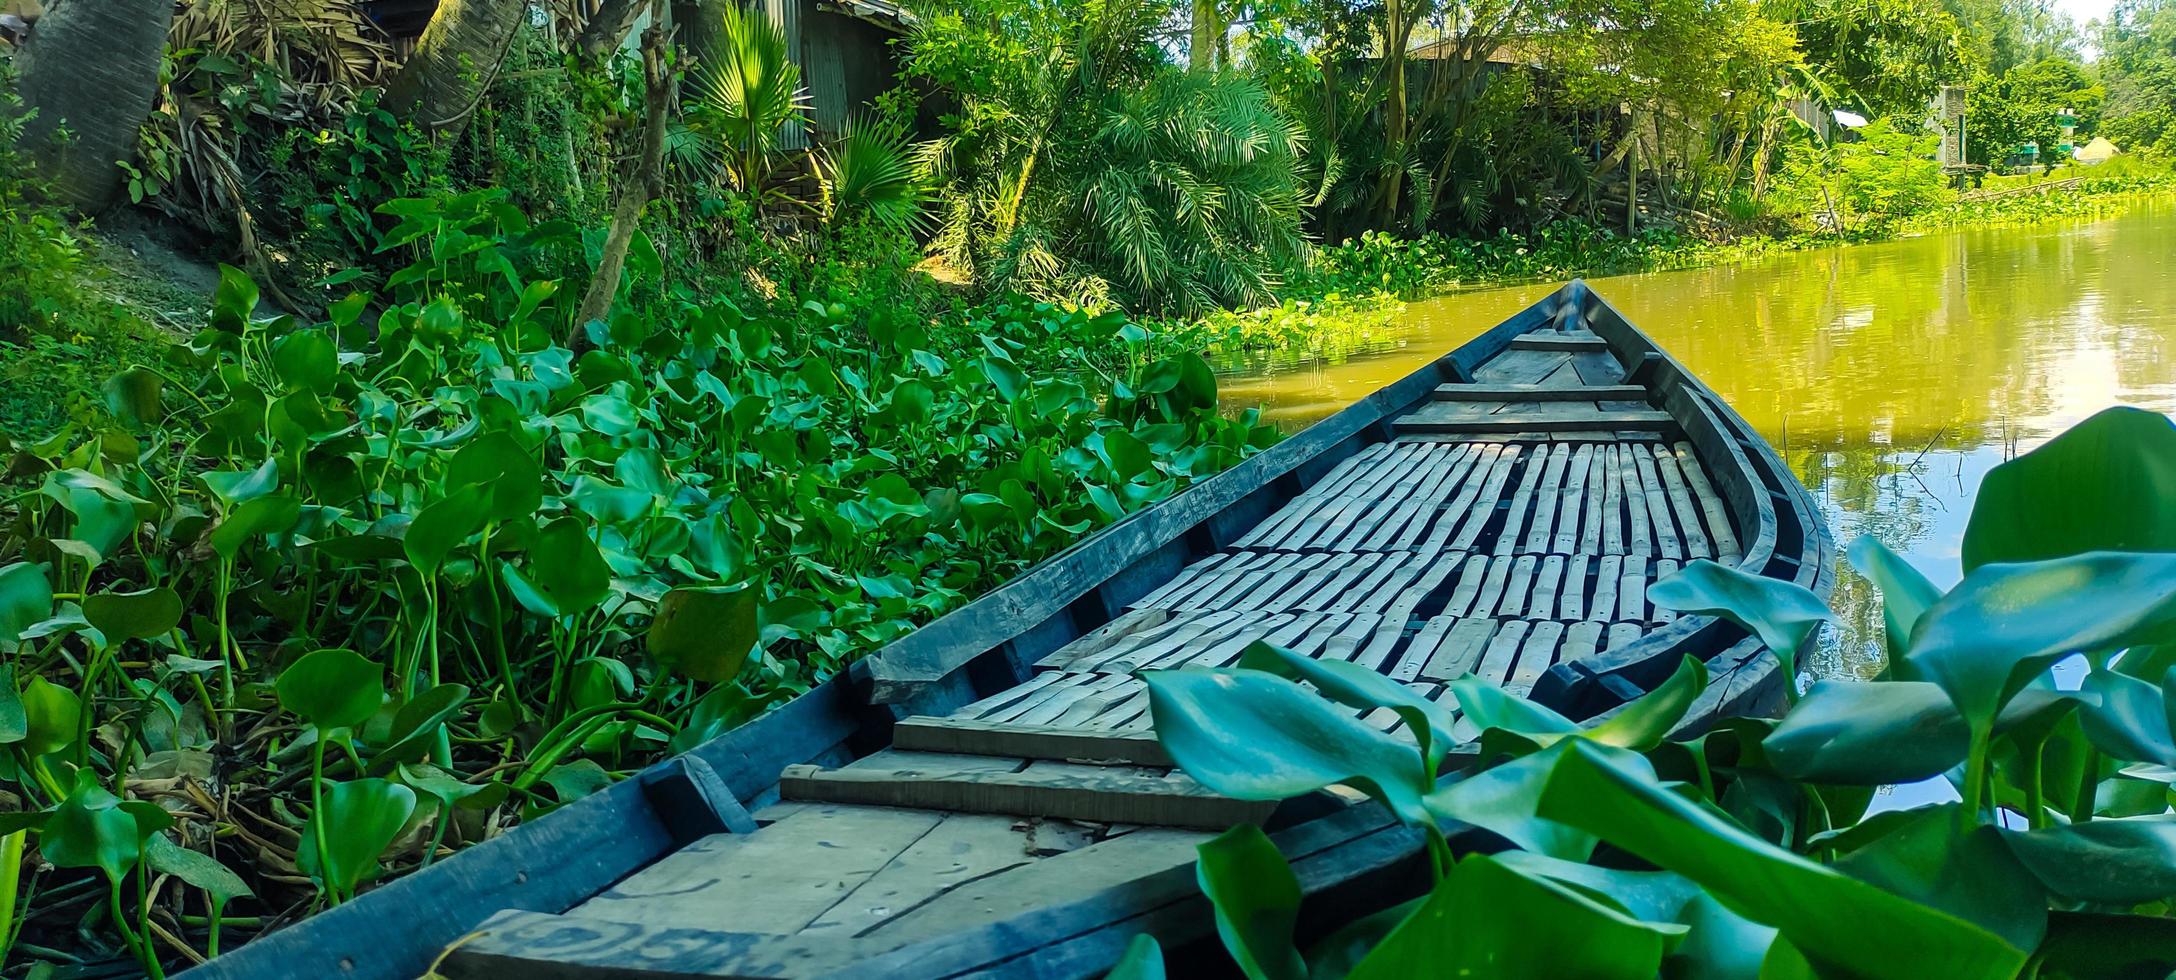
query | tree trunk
(645,183)
(455,62)
(608,28)
(91,66)
(1208,32)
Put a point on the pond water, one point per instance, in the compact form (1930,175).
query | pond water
(1890,376)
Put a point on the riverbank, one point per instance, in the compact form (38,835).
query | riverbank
(1354,296)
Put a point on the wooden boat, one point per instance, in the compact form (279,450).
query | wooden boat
(985,797)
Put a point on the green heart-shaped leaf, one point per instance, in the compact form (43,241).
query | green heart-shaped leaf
(51,714)
(705,633)
(415,726)
(1869,734)
(1256,736)
(2117,861)
(2004,624)
(1256,899)
(26,599)
(1832,918)
(332,688)
(133,615)
(445,525)
(198,869)
(89,829)
(361,818)
(307,359)
(1489,919)
(565,573)
(1782,614)
(1905,595)
(2103,485)
(1351,684)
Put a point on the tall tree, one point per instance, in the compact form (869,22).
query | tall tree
(91,67)
(455,62)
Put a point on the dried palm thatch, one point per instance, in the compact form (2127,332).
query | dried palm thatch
(240,68)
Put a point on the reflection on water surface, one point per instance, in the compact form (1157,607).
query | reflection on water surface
(1891,376)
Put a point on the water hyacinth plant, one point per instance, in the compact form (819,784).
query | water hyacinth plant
(1636,847)
(380,585)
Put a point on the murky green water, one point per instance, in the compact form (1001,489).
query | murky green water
(1891,376)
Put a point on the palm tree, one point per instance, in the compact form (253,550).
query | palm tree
(746,92)
(455,62)
(91,70)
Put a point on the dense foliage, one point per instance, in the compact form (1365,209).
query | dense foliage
(1634,849)
(383,584)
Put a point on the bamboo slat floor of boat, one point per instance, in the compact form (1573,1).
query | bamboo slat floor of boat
(1509,524)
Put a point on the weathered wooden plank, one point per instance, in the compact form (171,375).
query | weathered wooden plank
(1547,583)
(1470,514)
(1548,495)
(1711,505)
(1346,641)
(1664,568)
(1254,593)
(1097,703)
(1572,603)
(1380,571)
(1519,587)
(1050,708)
(1600,369)
(1460,651)
(1219,594)
(964,847)
(1438,568)
(1669,541)
(1614,532)
(1470,573)
(802,865)
(1421,649)
(1129,624)
(1385,591)
(1559,342)
(1179,632)
(1380,646)
(1626,421)
(1503,651)
(1535,656)
(1572,503)
(1640,536)
(1608,575)
(1227,646)
(1087,793)
(1537,393)
(1632,589)
(1012,695)
(1515,515)
(1324,582)
(1688,518)
(922,733)
(1067,680)
(1491,595)
(1521,367)
(1581,639)
(1051,881)
(1191,577)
